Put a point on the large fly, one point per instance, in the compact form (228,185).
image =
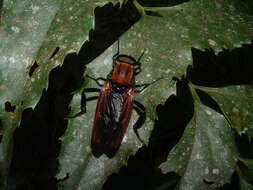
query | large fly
(115,105)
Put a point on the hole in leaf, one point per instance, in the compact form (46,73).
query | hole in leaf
(244,145)
(207,181)
(9,107)
(153,13)
(32,69)
(233,185)
(56,50)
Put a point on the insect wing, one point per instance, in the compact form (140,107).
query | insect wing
(122,125)
(111,120)
(97,136)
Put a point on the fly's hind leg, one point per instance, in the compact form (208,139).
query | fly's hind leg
(84,100)
(141,110)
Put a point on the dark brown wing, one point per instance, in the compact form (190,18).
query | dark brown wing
(111,120)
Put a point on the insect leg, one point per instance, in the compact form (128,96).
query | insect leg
(97,79)
(138,70)
(141,110)
(84,100)
(145,85)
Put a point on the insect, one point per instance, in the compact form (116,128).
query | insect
(115,105)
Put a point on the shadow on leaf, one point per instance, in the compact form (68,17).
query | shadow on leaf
(142,170)
(227,68)
(36,142)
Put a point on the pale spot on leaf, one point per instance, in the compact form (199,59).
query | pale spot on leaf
(211,42)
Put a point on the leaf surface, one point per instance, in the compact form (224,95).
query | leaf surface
(32,30)
(205,155)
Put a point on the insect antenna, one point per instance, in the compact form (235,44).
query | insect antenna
(138,61)
(115,56)
(118,47)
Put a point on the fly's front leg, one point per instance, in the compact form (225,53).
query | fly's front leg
(145,85)
(84,100)
(141,110)
(138,70)
(97,80)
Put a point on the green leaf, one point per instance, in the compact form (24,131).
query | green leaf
(244,185)
(184,158)
(245,167)
(31,31)
(236,103)
(205,153)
